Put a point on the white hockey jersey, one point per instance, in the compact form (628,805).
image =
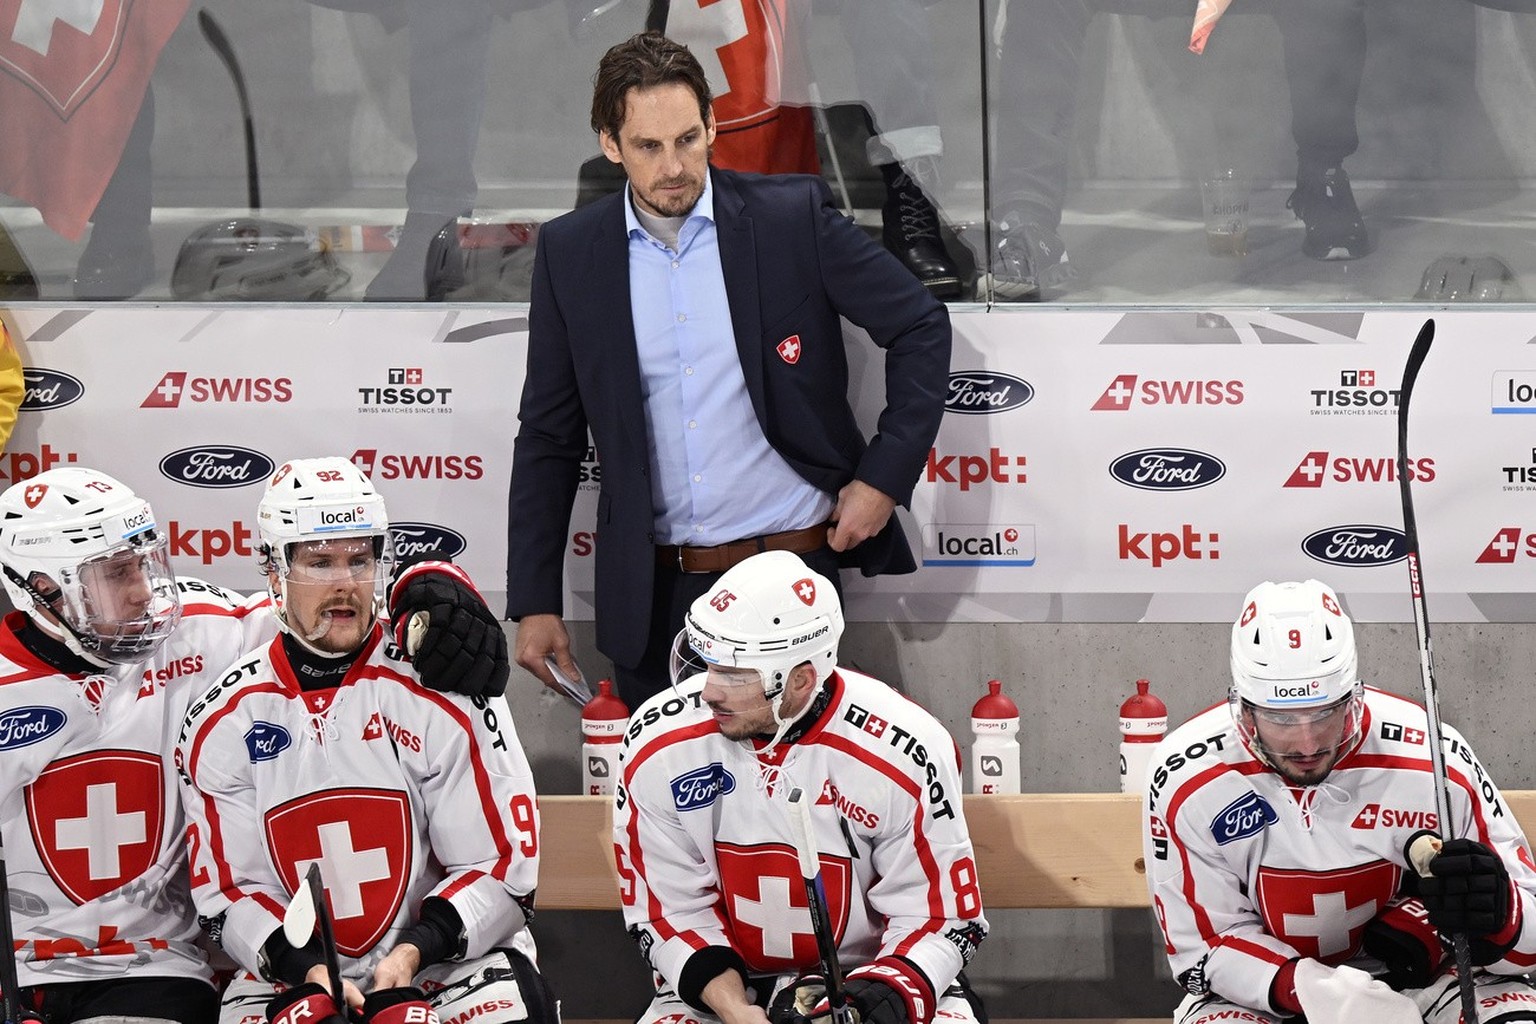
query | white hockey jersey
(707,858)
(398,791)
(89,803)
(1248,871)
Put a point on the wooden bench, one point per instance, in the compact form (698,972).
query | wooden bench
(1033,851)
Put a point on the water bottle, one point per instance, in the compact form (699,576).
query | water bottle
(995,749)
(602,730)
(1143,722)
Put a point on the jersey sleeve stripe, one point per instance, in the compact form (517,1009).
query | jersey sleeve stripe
(1255,950)
(1176,800)
(461,883)
(655,915)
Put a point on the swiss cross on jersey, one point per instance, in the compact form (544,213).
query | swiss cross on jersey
(97,819)
(740,44)
(765,906)
(61,51)
(362,839)
(1323,914)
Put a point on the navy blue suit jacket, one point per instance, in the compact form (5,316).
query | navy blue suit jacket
(792,263)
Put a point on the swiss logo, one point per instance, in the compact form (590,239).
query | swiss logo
(61,52)
(362,840)
(1505,545)
(34,495)
(765,904)
(789,349)
(97,819)
(805,590)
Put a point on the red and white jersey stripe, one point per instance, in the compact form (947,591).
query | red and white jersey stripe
(398,791)
(706,855)
(1248,871)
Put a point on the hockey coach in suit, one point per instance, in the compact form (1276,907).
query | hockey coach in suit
(692,321)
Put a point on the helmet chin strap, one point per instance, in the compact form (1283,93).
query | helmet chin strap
(776,704)
(51,622)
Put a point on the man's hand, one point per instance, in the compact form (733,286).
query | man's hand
(442,623)
(319,976)
(805,1002)
(398,968)
(861,512)
(1467,890)
(540,636)
(726,995)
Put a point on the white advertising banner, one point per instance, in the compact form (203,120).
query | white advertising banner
(1094,465)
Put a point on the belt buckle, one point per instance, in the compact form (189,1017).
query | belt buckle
(680,559)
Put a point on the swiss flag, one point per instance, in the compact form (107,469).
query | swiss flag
(72,79)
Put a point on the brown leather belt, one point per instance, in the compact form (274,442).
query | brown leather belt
(722,556)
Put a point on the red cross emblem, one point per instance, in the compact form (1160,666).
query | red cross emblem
(805,590)
(97,820)
(362,839)
(1248,614)
(763,897)
(61,51)
(34,495)
(789,349)
(1323,914)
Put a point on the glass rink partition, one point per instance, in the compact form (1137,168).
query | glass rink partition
(1059,151)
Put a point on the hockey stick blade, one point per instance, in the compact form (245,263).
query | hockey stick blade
(816,902)
(1416,355)
(299,918)
(214,33)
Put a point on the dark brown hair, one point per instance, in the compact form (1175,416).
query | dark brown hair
(640,62)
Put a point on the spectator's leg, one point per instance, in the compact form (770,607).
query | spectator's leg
(118,260)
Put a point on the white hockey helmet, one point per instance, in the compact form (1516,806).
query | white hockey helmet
(1293,657)
(85,557)
(769,613)
(311,501)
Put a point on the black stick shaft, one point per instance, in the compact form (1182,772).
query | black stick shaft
(9,983)
(214,33)
(327,938)
(1416,355)
(816,900)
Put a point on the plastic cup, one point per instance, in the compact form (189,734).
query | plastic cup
(1224,200)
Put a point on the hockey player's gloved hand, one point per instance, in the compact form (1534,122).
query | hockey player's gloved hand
(1344,995)
(304,1004)
(443,625)
(398,1006)
(1406,943)
(800,1001)
(1467,890)
(887,991)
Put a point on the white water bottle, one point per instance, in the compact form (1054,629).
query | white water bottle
(995,749)
(1143,722)
(602,730)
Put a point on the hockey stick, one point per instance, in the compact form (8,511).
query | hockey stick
(305,910)
(816,900)
(10,987)
(221,46)
(1422,850)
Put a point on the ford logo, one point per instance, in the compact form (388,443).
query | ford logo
(22,727)
(50,389)
(427,539)
(702,787)
(1359,544)
(981,393)
(1167,469)
(265,741)
(1248,815)
(216,466)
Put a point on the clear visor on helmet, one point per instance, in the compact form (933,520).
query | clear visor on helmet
(335,560)
(122,604)
(1287,730)
(688,661)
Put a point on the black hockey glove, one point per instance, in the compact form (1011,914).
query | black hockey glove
(805,1002)
(443,625)
(1406,943)
(397,1006)
(304,1004)
(1466,890)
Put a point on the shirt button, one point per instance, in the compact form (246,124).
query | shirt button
(682,318)
(675,264)
(698,478)
(688,371)
(693,424)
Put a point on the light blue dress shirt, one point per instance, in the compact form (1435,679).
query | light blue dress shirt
(714,476)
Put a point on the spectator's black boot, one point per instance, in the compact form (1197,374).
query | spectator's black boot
(911,231)
(1326,204)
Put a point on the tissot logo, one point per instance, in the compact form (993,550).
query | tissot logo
(1317,467)
(1129,389)
(981,392)
(217,466)
(1520,478)
(427,539)
(406,391)
(1167,469)
(1357,394)
(49,389)
(1357,545)
(176,385)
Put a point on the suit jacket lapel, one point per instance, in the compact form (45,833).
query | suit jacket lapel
(738,263)
(608,290)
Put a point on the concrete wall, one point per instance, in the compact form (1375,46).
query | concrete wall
(1069,681)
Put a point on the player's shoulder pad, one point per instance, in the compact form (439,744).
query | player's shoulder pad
(1207,741)
(243,671)
(199,597)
